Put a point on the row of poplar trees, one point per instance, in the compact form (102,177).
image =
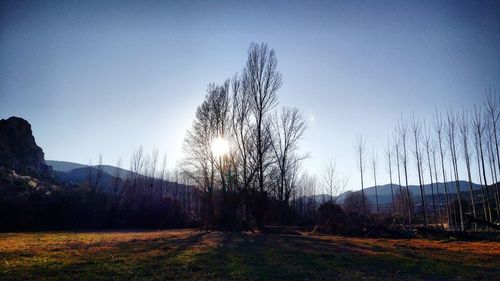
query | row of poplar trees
(452,147)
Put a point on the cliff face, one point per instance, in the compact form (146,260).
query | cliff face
(18,149)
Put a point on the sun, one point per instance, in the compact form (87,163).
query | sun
(220,146)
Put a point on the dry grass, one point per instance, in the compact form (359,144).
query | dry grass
(191,255)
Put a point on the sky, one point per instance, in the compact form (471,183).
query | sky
(106,77)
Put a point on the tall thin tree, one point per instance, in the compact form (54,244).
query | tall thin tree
(464,130)
(451,134)
(477,123)
(261,81)
(438,128)
(373,164)
(403,134)
(388,153)
(359,148)
(428,149)
(397,154)
(416,129)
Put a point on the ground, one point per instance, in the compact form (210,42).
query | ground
(192,255)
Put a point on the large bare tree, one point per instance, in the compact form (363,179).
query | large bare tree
(200,164)
(288,128)
(261,82)
(245,168)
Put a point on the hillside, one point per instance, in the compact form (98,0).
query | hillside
(385,197)
(63,166)
(66,166)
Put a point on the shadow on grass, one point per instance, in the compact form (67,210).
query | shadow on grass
(142,258)
(246,256)
(290,257)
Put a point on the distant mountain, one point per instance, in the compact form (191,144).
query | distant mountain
(78,174)
(385,197)
(65,166)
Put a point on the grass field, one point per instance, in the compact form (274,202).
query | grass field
(191,255)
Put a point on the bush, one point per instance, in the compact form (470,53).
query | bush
(331,218)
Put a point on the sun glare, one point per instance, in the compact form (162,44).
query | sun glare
(220,146)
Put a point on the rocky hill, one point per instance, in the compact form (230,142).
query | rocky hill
(18,149)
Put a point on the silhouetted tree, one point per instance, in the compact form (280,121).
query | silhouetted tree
(438,128)
(333,181)
(464,129)
(287,129)
(428,149)
(373,163)
(359,147)
(477,123)
(451,137)
(416,129)
(403,134)
(396,144)
(492,106)
(261,81)
(388,154)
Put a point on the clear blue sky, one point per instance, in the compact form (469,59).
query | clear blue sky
(94,77)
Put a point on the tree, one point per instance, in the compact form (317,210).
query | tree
(359,148)
(451,137)
(436,177)
(261,82)
(200,163)
(373,164)
(405,199)
(332,180)
(397,154)
(464,128)
(428,149)
(416,129)
(241,125)
(355,202)
(438,128)
(115,183)
(492,106)
(479,170)
(477,123)
(136,165)
(388,154)
(403,135)
(492,163)
(151,174)
(288,128)
(163,175)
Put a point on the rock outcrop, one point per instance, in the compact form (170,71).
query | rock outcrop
(18,149)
